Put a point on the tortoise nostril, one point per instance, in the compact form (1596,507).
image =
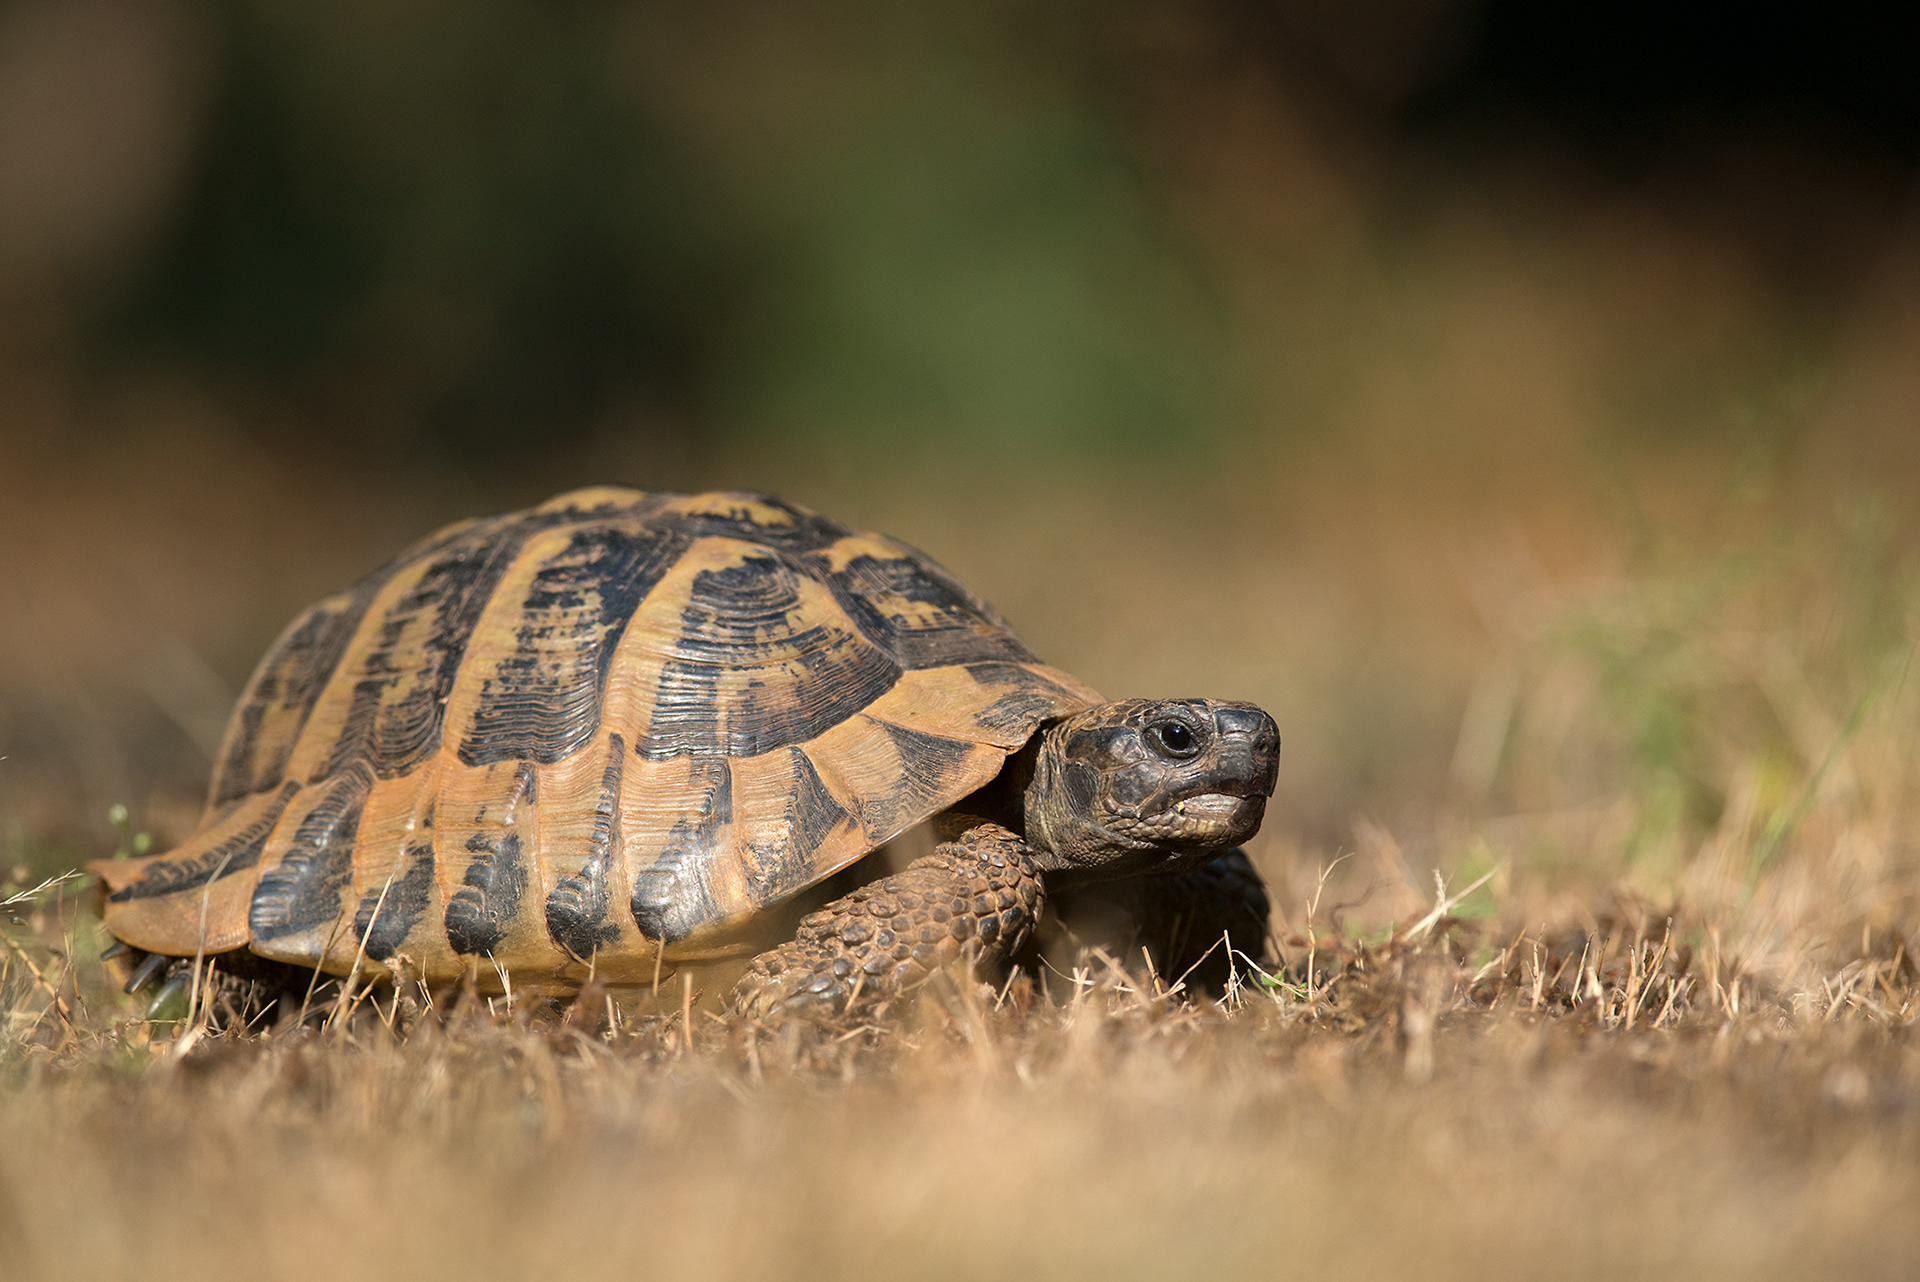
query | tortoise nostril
(1246,719)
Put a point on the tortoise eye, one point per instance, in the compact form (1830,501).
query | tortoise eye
(1174,738)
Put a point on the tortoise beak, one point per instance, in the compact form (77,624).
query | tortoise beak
(1249,751)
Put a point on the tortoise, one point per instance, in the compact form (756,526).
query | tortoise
(616,733)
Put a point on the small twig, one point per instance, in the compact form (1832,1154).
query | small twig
(1653,967)
(686,1008)
(1313,906)
(1181,982)
(313,981)
(1153,974)
(1445,904)
(341,1006)
(59,1002)
(200,952)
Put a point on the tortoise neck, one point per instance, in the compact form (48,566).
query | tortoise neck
(1002,799)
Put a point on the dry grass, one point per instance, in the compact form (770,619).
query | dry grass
(1655,1025)
(1566,1109)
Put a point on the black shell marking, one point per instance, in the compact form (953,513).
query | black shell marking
(230,857)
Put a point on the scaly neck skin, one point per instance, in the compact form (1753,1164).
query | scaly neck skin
(1148,786)
(1063,826)
(1049,825)
(1001,800)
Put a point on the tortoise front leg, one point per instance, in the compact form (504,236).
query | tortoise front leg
(1186,923)
(973,900)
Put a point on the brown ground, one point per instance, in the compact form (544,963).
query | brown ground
(1670,1032)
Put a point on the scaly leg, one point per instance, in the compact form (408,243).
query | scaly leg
(1185,922)
(973,900)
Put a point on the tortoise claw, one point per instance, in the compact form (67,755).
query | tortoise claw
(118,948)
(170,1003)
(143,973)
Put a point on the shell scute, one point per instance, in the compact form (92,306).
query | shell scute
(914,609)
(195,897)
(539,664)
(386,920)
(580,908)
(756,657)
(895,776)
(309,860)
(405,673)
(277,701)
(683,846)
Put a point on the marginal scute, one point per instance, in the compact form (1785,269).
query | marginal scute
(893,776)
(487,830)
(578,906)
(300,882)
(586,738)
(674,893)
(813,815)
(1021,698)
(386,917)
(489,896)
(194,898)
(240,841)
(1002,711)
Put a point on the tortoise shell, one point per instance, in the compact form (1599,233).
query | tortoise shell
(586,737)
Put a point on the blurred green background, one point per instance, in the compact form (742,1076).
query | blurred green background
(1351,357)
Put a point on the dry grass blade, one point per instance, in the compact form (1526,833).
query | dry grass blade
(36,893)
(1444,904)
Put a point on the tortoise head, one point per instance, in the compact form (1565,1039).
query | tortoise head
(1149,785)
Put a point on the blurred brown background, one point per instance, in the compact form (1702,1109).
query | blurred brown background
(1321,353)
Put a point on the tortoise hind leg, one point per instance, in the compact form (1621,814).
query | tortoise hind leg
(973,900)
(1197,925)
